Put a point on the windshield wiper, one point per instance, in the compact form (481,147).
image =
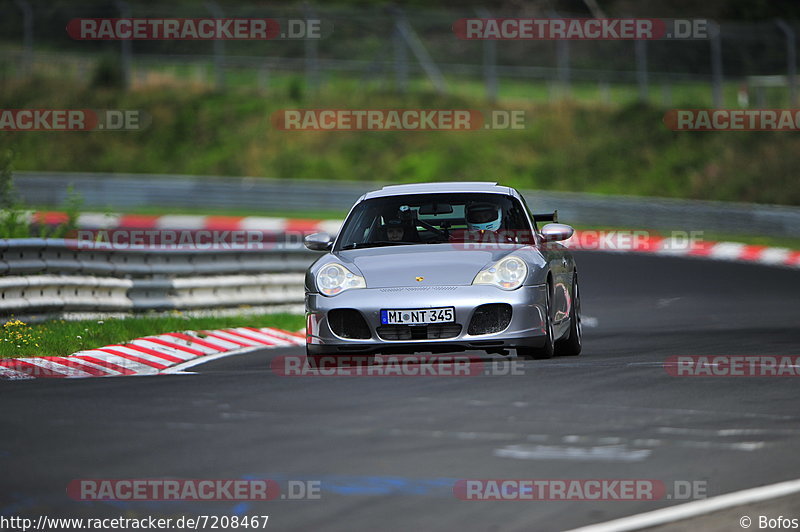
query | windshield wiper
(362,245)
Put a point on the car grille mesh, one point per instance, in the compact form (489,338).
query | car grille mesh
(348,323)
(489,319)
(419,289)
(419,332)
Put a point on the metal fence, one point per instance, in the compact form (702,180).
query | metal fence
(393,48)
(51,276)
(131,191)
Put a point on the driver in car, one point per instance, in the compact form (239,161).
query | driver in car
(397,231)
(394,230)
(484,221)
(484,217)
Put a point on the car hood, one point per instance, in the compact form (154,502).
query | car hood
(436,264)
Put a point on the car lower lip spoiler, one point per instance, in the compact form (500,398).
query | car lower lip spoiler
(546,217)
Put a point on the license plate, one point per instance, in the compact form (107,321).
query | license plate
(418,316)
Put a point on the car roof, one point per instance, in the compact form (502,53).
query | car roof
(433,188)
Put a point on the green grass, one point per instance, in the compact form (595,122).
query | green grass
(57,338)
(567,145)
(509,90)
(200,74)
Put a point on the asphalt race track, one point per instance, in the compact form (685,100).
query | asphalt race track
(388,450)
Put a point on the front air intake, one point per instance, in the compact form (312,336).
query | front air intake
(348,323)
(489,319)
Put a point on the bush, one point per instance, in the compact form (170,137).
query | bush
(108,73)
(14,219)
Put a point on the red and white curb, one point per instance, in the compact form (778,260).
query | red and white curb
(150,355)
(187,222)
(622,241)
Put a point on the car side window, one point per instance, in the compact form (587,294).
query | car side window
(516,218)
(529,213)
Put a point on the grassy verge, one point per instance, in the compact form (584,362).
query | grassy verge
(58,338)
(566,145)
(199,75)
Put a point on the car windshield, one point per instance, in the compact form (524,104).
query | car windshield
(433,219)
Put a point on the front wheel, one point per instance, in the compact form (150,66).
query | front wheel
(548,349)
(571,346)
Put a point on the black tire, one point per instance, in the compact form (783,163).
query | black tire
(572,344)
(548,349)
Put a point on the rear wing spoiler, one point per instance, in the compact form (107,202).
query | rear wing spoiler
(546,217)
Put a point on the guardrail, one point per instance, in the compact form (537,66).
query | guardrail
(47,276)
(130,191)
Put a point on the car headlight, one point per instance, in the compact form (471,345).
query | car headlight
(508,273)
(334,278)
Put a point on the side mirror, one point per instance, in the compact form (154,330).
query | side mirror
(556,232)
(318,242)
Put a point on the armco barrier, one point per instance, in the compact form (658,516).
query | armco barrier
(46,276)
(63,292)
(216,291)
(130,191)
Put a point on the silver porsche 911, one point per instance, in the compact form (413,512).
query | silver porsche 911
(442,267)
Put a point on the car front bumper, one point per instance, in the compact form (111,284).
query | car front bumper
(526,327)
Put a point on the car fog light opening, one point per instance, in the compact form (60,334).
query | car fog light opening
(489,319)
(348,323)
